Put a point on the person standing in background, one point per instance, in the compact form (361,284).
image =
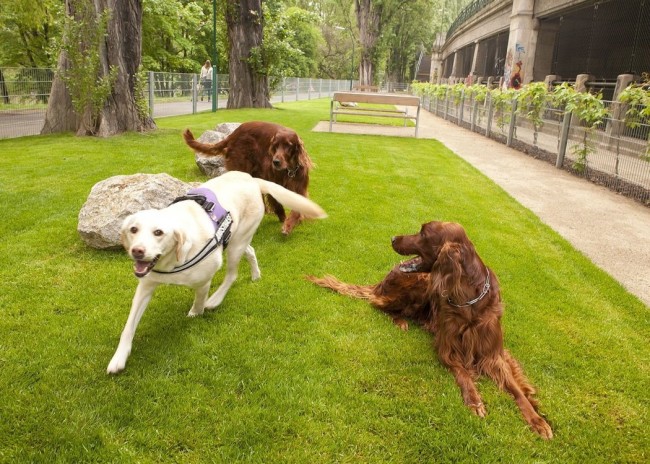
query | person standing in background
(206,79)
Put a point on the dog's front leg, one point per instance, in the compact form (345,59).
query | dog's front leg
(277,207)
(200,297)
(471,396)
(235,252)
(516,384)
(140,301)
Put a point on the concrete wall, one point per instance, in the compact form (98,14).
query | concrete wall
(530,48)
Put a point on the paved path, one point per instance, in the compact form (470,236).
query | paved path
(611,230)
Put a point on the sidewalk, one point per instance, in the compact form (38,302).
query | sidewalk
(609,229)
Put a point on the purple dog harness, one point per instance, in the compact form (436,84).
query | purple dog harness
(221,219)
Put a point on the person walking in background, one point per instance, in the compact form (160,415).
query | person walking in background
(206,79)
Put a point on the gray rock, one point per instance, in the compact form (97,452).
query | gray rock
(211,166)
(227,127)
(113,199)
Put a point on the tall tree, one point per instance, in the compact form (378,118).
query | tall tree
(96,88)
(372,18)
(249,86)
(412,31)
(29,30)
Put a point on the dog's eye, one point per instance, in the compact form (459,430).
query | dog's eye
(133,230)
(158,232)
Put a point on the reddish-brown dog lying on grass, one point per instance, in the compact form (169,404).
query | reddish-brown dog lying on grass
(449,290)
(268,151)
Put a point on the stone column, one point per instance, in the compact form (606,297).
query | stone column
(549,79)
(617,111)
(480,57)
(435,74)
(472,71)
(581,82)
(522,41)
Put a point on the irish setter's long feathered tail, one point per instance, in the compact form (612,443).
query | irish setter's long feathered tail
(209,149)
(364,292)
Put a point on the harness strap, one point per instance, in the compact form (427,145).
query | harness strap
(221,219)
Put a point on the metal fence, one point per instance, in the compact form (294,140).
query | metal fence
(617,155)
(24,94)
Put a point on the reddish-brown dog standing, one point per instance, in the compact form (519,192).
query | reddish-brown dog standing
(452,293)
(268,151)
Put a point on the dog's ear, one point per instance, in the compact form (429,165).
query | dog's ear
(182,246)
(449,270)
(272,145)
(303,158)
(126,224)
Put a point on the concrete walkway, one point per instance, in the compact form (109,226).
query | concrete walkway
(611,230)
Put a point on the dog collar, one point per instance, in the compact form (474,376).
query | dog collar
(221,219)
(486,289)
(294,171)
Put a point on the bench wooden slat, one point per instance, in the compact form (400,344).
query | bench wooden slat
(378,99)
(369,113)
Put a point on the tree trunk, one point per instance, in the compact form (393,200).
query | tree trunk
(248,87)
(368,21)
(60,115)
(121,50)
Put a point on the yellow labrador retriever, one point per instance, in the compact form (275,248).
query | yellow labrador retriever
(183,243)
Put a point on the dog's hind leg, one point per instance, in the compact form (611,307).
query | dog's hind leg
(235,252)
(141,299)
(252,261)
(200,297)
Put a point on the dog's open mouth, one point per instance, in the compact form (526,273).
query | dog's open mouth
(142,268)
(412,265)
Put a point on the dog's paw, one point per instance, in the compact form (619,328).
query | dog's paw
(195,312)
(541,427)
(255,276)
(116,365)
(401,323)
(478,409)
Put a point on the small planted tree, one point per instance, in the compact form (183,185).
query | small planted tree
(531,101)
(502,101)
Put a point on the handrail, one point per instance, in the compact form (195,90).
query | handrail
(466,13)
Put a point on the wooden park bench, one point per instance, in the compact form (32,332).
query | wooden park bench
(341,100)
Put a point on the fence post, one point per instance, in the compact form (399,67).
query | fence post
(564,138)
(282,90)
(309,89)
(513,123)
(297,87)
(216,91)
(488,123)
(151,93)
(474,111)
(446,103)
(194,93)
(461,112)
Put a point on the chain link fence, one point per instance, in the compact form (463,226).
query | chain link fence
(613,154)
(24,94)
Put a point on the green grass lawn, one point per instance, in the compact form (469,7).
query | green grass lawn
(284,371)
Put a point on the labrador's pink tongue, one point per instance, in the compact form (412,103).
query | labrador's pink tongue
(141,267)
